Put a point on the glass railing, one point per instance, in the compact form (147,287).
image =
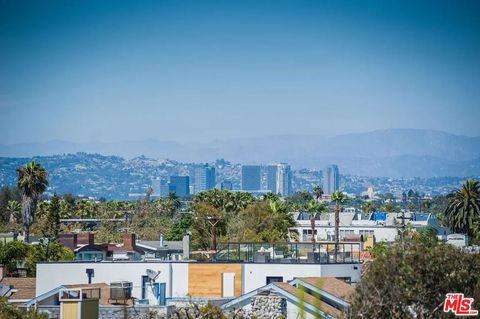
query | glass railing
(309,253)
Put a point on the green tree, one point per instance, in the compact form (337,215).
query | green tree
(464,208)
(368,207)
(6,195)
(270,197)
(298,200)
(9,311)
(12,253)
(46,251)
(52,226)
(379,249)
(389,207)
(180,228)
(338,197)
(209,222)
(318,192)
(14,210)
(224,200)
(410,280)
(174,201)
(262,222)
(32,182)
(313,208)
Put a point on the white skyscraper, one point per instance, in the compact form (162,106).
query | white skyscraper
(279,179)
(331,179)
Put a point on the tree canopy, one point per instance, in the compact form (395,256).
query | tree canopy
(411,279)
(463,210)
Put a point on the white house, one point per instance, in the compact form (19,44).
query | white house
(384,226)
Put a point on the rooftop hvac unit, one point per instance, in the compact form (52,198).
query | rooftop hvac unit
(121,290)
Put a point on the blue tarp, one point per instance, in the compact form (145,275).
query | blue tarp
(379,216)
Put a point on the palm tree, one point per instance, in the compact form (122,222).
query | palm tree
(368,207)
(174,200)
(464,208)
(270,197)
(390,208)
(318,192)
(338,197)
(14,210)
(32,182)
(313,208)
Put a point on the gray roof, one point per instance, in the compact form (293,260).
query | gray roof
(155,244)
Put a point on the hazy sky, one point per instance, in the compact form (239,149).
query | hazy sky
(201,70)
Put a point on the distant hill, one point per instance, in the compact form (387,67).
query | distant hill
(392,152)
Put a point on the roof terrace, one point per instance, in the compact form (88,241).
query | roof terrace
(288,253)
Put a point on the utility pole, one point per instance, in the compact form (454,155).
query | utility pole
(213,221)
(404,225)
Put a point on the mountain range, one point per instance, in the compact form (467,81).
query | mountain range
(391,153)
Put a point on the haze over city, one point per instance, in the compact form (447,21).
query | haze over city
(205,71)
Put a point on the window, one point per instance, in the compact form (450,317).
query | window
(365,233)
(345,232)
(307,234)
(274,279)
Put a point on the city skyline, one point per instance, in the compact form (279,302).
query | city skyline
(190,72)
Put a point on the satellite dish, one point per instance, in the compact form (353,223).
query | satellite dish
(152,274)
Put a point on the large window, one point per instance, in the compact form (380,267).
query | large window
(90,255)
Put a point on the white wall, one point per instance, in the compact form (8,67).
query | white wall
(52,275)
(175,275)
(381,233)
(180,280)
(255,275)
(342,270)
(293,311)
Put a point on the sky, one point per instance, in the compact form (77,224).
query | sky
(207,70)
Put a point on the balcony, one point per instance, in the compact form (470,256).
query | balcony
(288,253)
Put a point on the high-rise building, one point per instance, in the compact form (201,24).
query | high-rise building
(251,177)
(204,178)
(226,186)
(272,178)
(279,179)
(331,179)
(180,185)
(284,179)
(156,183)
(160,187)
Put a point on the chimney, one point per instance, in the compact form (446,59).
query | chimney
(161,240)
(129,240)
(85,239)
(68,240)
(186,247)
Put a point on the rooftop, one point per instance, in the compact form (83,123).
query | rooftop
(22,288)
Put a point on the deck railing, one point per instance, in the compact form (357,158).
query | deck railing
(309,253)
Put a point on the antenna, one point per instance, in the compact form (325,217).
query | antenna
(152,274)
